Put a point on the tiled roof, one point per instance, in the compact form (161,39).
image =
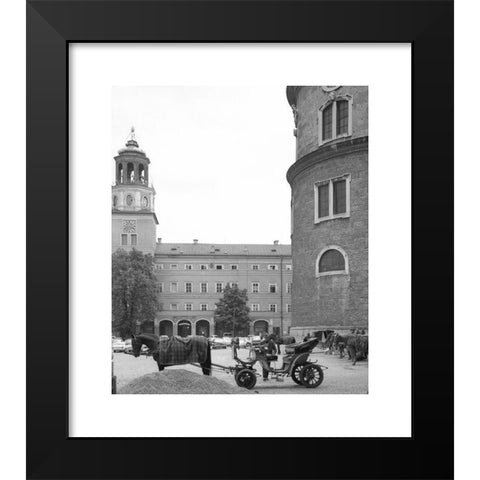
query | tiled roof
(222,249)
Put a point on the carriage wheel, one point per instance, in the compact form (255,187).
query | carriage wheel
(296,374)
(311,375)
(246,378)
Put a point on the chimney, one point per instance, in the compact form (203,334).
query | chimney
(195,241)
(275,242)
(159,240)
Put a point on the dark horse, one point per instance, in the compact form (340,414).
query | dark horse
(355,344)
(175,350)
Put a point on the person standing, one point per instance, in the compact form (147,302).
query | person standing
(271,349)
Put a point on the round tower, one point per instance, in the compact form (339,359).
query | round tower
(329,182)
(133,200)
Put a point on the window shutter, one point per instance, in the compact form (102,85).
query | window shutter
(342,117)
(327,122)
(323,200)
(339,197)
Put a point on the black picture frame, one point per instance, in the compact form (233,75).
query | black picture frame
(51,27)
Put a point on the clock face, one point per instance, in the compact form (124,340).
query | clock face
(129,200)
(145,201)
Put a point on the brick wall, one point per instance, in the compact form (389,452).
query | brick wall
(342,299)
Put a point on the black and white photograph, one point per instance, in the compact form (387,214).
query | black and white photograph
(204,217)
(240,240)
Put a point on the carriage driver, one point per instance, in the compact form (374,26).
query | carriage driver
(268,342)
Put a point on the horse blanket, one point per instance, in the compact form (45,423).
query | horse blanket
(179,351)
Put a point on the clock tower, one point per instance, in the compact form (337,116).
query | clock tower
(133,200)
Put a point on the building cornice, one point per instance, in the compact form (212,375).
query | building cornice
(327,152)
(115,211)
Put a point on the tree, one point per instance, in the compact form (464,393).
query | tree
(232,312)
(134,291)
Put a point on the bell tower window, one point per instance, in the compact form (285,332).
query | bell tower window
(130,173)
(141,174)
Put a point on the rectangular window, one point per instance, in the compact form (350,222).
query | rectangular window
(234,267)
(173,287)
(204,287)
(289,287)
(332,198)
(160,266)
(255,267)
(339,196)
(234,284)
(342,117)
(204,307)
(133,239)
(174,306)
(255,307)
(255,287)
(272,307)
(289,308)
(203,267)
(188,287)
(160,287)
(323,207)
(272,288)
(272,267)
(189,306)
(188,266)
(218,267)
(327,122)
(218,287)
(173,266)
(288,266)
(124,239)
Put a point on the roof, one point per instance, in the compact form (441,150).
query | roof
(222,249)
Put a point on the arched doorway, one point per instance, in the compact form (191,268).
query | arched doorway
(165,327)
(202,327)
(148,327)
(260,326)
(184,328)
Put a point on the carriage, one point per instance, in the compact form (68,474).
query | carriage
(296,364)
(197,351)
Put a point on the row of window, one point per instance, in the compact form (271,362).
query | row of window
(129,239)
(254,307)
(217,266)
(219,287)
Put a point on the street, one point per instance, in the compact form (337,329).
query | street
(341,376)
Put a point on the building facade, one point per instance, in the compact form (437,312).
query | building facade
(192,276)
(329,182)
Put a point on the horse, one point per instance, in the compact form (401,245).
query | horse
(175,350)
(283,340)
(355,344)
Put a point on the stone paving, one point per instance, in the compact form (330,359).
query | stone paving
(340,378)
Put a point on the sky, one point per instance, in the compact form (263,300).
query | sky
(219,157)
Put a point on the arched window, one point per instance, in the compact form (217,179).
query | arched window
(335,118)
(331,260)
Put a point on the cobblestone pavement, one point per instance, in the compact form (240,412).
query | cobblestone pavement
(341,376)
